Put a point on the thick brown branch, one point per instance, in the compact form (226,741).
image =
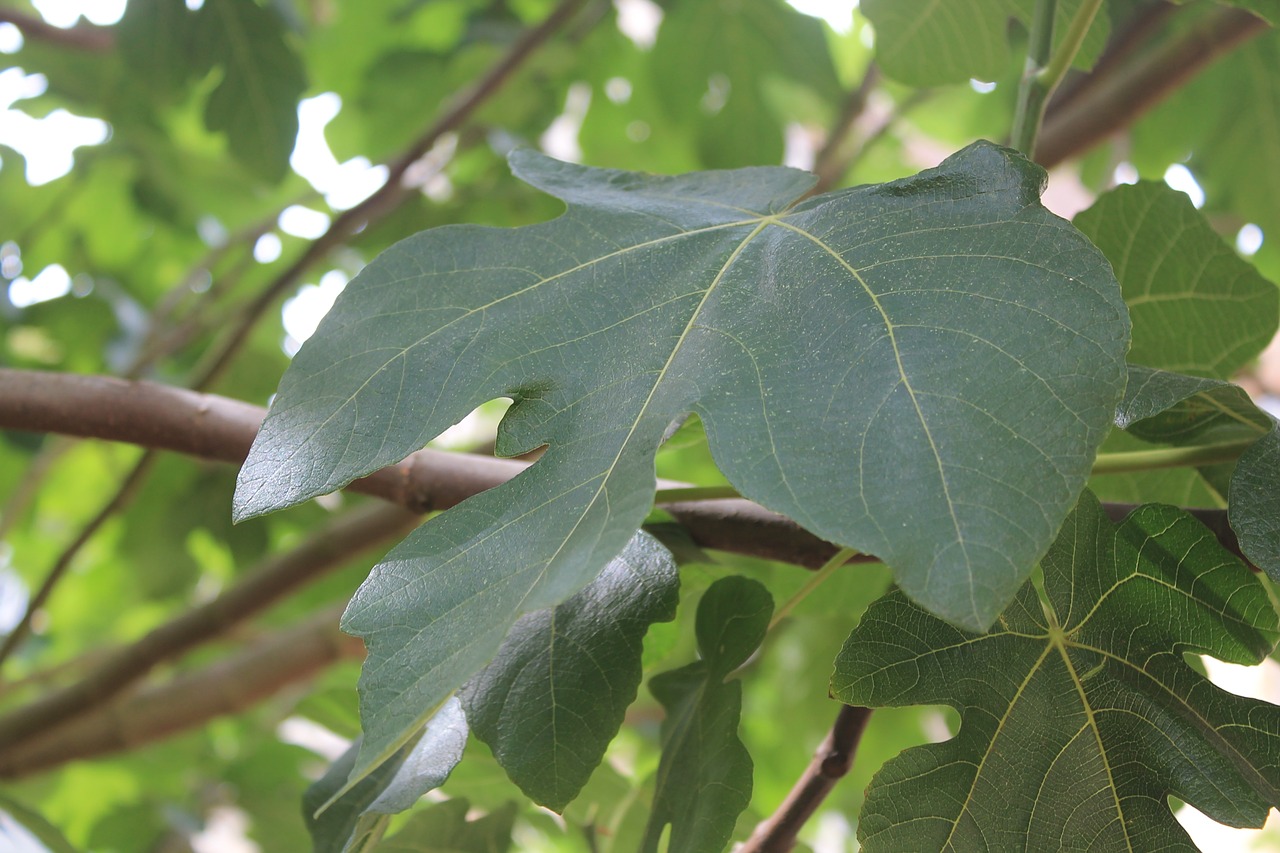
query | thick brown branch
(777,833)
(80,37)
(1107,103)
(324,550)
(217,428)
(231,685)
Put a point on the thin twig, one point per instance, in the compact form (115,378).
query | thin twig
(831,762)
(389,195)
(829,162)
(323,551)
(58,570)
(262,669)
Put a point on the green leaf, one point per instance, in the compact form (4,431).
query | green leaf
(444,828)
(156,39)
(1196,306)
(842,354)
(704,778)
(1185,410)
(356,819)
(35,824)
(555,695)
(256,102)
(932,42)
(1079,715)
(1225,125)
(712,61)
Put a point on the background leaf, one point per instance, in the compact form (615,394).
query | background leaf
(1196,306)
(932,42)
(704,779)
(256,101)
(1186,411)
(1078,717)
(444,828)
(554,697)
(357,818)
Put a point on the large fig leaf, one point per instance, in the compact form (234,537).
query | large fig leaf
(1079,715)
(921,370)
(554,697)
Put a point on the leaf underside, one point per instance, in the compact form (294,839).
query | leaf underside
(921,370)
(1078,717)
(1171,408)
(555,695)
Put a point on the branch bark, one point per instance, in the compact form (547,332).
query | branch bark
(830,764)
(1106,103)
(323,551)
(221,429)
(260,670)
(80,37)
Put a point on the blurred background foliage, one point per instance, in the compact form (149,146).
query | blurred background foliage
(167,163)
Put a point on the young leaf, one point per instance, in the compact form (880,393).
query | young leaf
(1079,716)
(856,359)
(356,819)
(555,695)
(704,777)
(1186,410)
(1196,306)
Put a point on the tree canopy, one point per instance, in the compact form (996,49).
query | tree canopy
(768,383)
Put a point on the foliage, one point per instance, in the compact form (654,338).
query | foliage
(922,374)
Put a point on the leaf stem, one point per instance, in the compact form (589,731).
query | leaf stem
(1170,457)
(1046,67)
(1032,95)
(841,557)
(694,493)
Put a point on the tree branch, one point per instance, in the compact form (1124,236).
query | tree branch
(777,833)
(79,37)
(221,429)
(1106,103)
(322,551)
(260,670)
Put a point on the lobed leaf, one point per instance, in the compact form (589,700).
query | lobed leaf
(555,695)
(704,777)
(1079,715)
(921,370)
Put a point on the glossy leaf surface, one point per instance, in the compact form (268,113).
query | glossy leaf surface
(1079,715)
